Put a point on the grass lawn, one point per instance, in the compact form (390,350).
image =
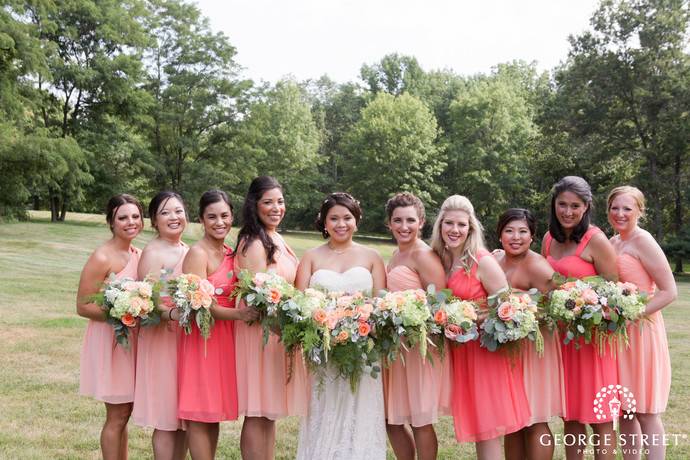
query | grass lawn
(41,414)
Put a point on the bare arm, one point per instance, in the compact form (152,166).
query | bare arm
(378,272)
(491,275)
(304,272)
(430,269)
(95,270)
(655,263)
(541,275)
(254,258)
(604,257)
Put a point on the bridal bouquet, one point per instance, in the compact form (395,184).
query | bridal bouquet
(453,318)
(398,315)
(512,317)
(596,306)
(126,303)
(303,323)
(349,343)
(193,297)
(265,292)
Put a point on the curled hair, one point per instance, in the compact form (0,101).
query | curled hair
(402,200)
(516,214)
(475,235)
(581,188)
(337,199)
(634,192)
(213,196)
(159,201)
(252,228)
(114,204)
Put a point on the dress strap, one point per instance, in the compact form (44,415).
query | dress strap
(585,239)
(547,244)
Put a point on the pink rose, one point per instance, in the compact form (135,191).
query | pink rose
(452,331)
(506,311)
(206,287)
(260,278)
(590,297)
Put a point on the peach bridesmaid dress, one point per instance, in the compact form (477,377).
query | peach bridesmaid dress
(488,389)
(155,391)
(416,392)
(106,368)
(645,367)
(262,370)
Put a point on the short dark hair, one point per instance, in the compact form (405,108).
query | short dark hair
(335,199)
(581,188)
(516,214)
(114,204)
(159,200)
(251,224)
(402,200)
(213,196)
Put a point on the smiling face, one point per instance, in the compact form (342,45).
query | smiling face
(271,208)
(127,222)
(217,220)
(623,213)
(171,218)
(455,227)
(570,209)
(340,224)
(405,224)
(516,237)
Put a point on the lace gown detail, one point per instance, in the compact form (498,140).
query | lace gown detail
(341,424)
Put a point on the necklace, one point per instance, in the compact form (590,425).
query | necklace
(339,251)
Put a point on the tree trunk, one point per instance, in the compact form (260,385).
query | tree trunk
(37,203)
(63,211)
(53,205)
(655,198)
(678,208)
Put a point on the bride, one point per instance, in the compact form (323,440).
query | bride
(342,424)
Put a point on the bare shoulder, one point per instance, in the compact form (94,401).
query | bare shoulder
(101,258)
(537,263)
(197,252)
(599,240)
(370,253)
(251,250)
(425,253)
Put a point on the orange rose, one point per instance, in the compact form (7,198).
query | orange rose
(274,295)
(441,317)
(320,316)
(568,286)
(128,320)
(342,337)
(363,328)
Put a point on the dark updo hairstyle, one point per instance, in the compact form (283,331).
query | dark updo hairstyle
(212,196)
(160,200)
(114,204)
(581,188)
(403,200)
(335,199)
(516,214)
(252,228)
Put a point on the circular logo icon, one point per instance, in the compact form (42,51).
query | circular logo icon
(612,401)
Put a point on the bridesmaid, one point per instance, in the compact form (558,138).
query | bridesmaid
(645,367)
(262,370)
(574,248)
(415,390)
(543,375)
(155,391)
(488,393)
(107,369)
(207,386)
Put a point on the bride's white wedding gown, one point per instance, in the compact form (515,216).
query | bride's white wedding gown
(342,424)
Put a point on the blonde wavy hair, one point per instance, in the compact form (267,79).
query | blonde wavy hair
(475,236)
(636,194)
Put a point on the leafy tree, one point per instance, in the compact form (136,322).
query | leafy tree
(394,74)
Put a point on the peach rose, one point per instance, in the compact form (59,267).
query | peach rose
(441,317)
(274,295)
(506,311)
(569,285)
(129,286)
(470,312)
(128,320)
(342,337)
(320,316)
(206,287)
(145,290)
(363,328)
(420,295)
(365,311)
(260,278)
(332,320)
(590,297)
(344,301)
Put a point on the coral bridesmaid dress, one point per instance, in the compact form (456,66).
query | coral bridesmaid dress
(586,371)
(416,391)
(106,369)
(645,367)
(207,386)
(262,370)
(488,390)
(155,392)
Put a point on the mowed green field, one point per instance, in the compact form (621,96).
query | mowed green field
(41,413)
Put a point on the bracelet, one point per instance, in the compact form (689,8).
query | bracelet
(170,313)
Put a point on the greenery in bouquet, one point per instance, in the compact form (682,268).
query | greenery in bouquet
(193,297)
(452,318)
(512,318)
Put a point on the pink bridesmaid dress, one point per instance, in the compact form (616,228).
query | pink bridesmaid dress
(488,389)
(645,367)
(155,392)
(586,371)
(415,391)
(207,386)
(262,370)
(106,368)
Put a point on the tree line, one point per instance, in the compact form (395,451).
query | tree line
(101,96)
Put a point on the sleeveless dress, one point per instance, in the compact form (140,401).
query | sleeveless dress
(207,387)
(155,391)
(106,369)
(416,391)
(341,424)
(488,394)
(645,367)
(586,371)
(262,370)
